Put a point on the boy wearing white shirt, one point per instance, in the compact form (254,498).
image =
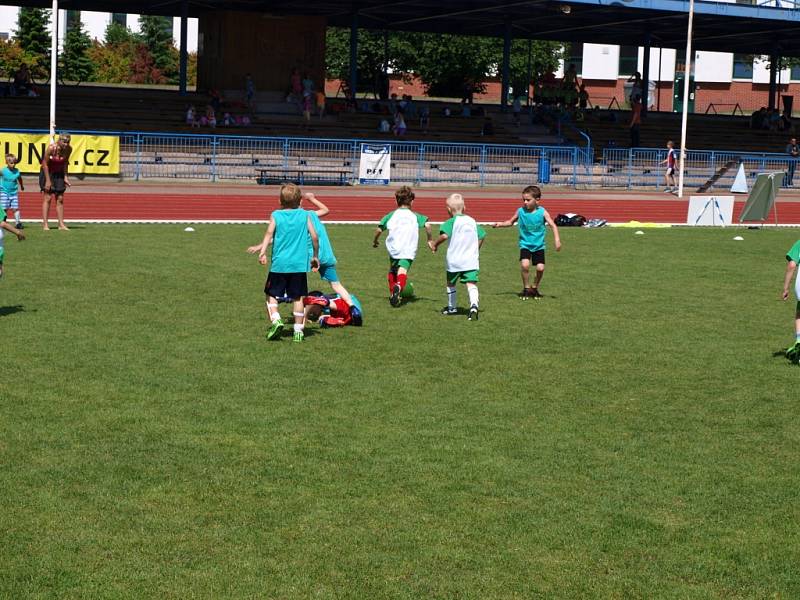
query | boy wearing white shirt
(462,262)
(403,225)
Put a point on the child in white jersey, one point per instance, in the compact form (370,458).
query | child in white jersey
(403,225)
(462,262)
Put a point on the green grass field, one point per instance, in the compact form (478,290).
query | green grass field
(631,435)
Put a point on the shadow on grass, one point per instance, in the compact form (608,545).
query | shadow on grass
(10,310)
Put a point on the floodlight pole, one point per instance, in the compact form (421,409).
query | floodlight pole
(687,73)
(53,72)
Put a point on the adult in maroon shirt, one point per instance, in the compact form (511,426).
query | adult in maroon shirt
(53,179)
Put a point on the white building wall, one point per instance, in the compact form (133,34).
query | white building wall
(761,71)
(600,61)
(667,63)
(713,67)
(95,24)
(8,20)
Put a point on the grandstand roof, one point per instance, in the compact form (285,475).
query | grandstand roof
(720,26)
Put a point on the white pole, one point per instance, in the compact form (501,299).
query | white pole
(684,117)
(53,67)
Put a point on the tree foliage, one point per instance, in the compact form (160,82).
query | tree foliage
(12,56)
(157,37)
(444,63)
(76,64)
(33,36)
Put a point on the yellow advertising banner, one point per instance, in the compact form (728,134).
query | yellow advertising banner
(91,154)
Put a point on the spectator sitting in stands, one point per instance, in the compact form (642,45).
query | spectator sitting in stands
(399,123)
(757,118)
(446,111)
(786,122)
(424,118)
(384,126)
(191,116)
(774,120)
(466,111)
(411,108)
(211,117)
(215,99)
(488,127)
(227,120)
(22,86)
(393,104)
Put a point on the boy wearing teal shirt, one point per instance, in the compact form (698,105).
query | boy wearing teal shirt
(532,219)
(10,184)
(10,228)
(792,259)
(288,232)
(327,260)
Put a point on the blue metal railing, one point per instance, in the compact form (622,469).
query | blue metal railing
(146,155)
(642,168)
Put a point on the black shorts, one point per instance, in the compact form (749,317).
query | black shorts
(56,181)
(293,285)
(536,257)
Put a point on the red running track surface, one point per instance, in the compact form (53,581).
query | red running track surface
(144,206)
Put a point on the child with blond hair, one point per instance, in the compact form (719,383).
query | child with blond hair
(288,232)
(462,262)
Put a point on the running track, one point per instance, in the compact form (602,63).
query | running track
(137,204)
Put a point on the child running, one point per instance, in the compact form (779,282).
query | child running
(466,238)
(327,260)
(331,310)
(288,232)
(532,219)
(10,181)
(403,225)
(793,257)
(5,226)
(669,174)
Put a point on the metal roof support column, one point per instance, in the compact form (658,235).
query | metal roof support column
(506,66)
(646,74)
(354,55)
(773,77)
(184,52)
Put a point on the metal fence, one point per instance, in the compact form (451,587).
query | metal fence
(224,157)
(642,167)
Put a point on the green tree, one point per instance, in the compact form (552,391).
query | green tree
(448,63)
(12,56)
(157,37)
(544,57)
(118,35)
(76,63)
(33,36)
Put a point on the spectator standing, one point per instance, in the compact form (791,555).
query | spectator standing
(636,120)
(53,181)
(249,92)
(793,150)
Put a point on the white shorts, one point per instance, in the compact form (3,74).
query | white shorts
(9,201)
(797,287)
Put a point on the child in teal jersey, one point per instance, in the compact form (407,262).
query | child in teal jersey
(10,228)
(532,219)
(10,184)
(327,259)
(288,232)
(792,258)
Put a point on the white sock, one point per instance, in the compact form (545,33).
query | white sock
(472,290)
(451,297)
(17,217)
(301,317)
(274,315)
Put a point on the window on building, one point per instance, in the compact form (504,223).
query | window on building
(120,19)
(795,73)
(742,66)
(628,60)
(575,57)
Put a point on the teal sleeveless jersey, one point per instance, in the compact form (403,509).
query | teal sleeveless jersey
(531,228)
(326,257)
(290,246)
